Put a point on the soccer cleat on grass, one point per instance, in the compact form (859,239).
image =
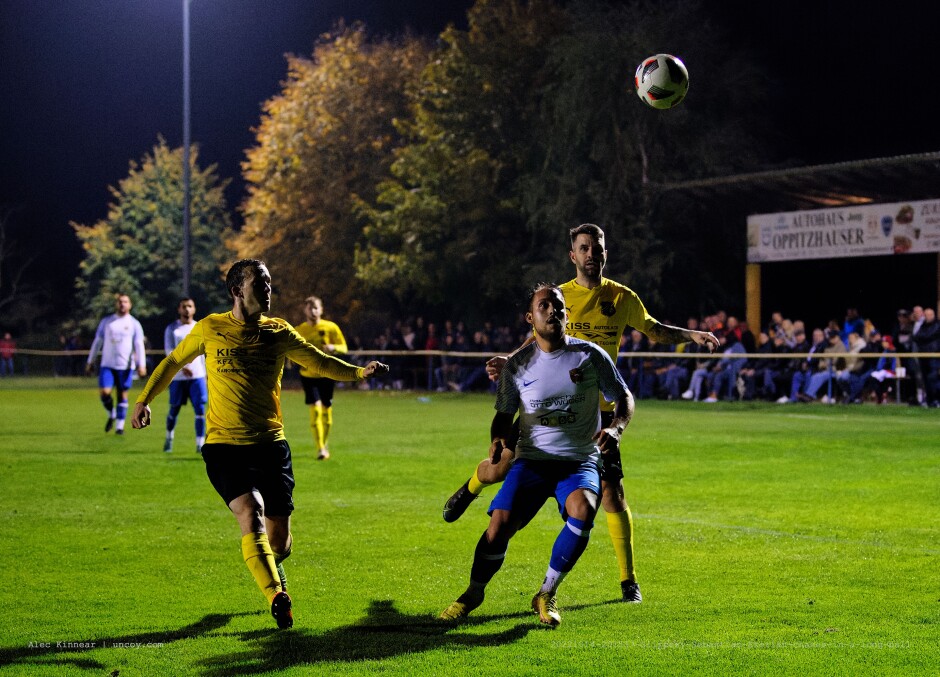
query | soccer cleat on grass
(544,605)
(457,504)
(461,608)
(109,424)
(323,455)
(281,610)
(168,446)
(630,592)
(119,431)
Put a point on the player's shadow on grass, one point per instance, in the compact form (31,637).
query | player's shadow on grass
(384,632)
(75,653)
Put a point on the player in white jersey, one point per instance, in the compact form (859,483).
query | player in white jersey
(554,384)
(120,339)
(190,381)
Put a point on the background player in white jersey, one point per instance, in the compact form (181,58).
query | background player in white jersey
(190,382)
(554,384)
(120,339)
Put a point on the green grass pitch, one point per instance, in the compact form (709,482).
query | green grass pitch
(797,540)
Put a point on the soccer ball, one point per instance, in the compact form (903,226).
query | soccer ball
(661,81)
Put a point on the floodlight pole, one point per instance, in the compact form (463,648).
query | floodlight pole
(187,244)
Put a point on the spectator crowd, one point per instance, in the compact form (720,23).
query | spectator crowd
(847,361)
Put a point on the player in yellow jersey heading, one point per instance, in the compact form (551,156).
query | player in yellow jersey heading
(318,392)
(247,457)
(599,310)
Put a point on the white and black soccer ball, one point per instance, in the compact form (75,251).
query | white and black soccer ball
(661,81)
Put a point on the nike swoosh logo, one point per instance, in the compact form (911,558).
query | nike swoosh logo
(526,384)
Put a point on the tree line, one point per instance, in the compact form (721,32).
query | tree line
(397,176)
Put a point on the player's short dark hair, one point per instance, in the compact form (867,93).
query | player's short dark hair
(591,229)
(236,275)
(536,288)
(184,299)
(314,299)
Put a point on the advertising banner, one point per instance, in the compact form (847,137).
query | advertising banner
(859,230)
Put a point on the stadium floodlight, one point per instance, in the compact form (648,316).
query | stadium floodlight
(187,245)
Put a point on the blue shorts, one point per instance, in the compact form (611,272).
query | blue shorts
(189,389)
(530,483)
(109,378)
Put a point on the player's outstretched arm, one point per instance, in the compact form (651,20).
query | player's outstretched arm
(141,417)
(664,333)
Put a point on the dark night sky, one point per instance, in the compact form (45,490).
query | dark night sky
(89,85)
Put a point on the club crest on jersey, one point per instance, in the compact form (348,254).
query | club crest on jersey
(577,375)
(608,308)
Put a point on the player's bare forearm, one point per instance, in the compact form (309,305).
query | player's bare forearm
(665,333)
(500,431)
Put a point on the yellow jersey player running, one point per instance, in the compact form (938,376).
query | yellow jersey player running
(599,310)
(318,391)
(247,457)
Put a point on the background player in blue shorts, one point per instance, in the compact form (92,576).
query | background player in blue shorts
(120,339)
(189,384)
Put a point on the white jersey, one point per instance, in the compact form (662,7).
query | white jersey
(173,335)
(121,342)
(557,397)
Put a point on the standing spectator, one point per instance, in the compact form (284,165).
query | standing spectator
(431,342)
(449,371)
(120,339)
(853,322)
(926,339)
(7,351)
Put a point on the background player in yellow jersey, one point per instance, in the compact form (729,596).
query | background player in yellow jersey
(599,310)
(318,391)
(247,457)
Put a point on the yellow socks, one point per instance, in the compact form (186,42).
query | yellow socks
(620,526)
(316,425)
(326,423)
(260,560)
(475,485)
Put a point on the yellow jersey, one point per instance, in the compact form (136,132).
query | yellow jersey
(320,334)
(244,363)
(602,314)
